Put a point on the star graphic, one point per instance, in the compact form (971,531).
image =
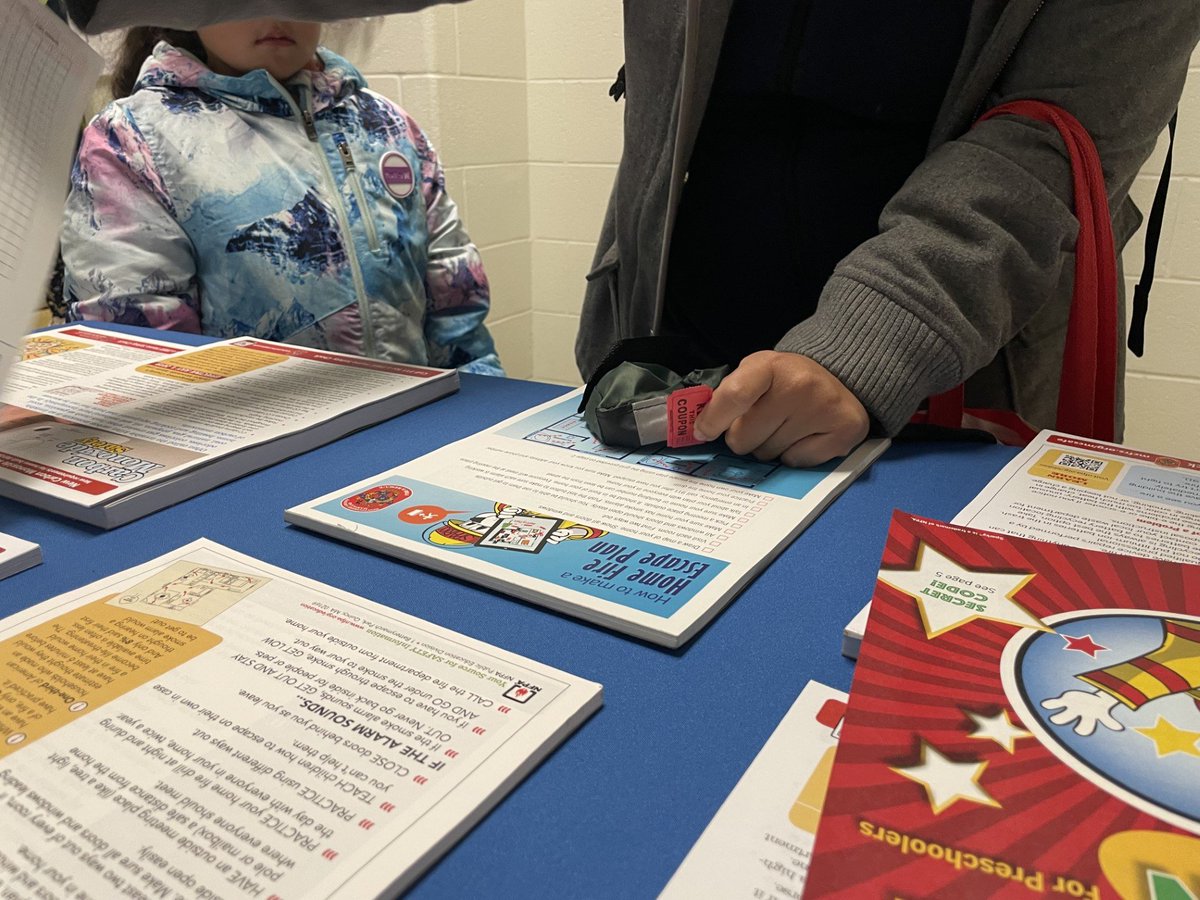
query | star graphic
(949,595)
(1169,738)
(998,728)
(1083,644)
(946,781)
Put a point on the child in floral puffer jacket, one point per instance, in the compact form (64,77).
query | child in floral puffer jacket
(267,192)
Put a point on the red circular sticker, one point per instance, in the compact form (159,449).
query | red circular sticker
(397,174)
(376,498)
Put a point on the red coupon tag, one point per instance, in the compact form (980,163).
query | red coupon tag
(683,406)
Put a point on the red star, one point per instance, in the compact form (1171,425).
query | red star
(1083,644)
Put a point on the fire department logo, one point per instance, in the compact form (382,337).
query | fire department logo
(377,498)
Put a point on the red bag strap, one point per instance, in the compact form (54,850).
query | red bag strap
(1087,393)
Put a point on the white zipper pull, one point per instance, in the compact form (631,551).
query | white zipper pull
(309,128)
(347,157)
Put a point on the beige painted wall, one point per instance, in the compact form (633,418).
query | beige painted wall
(515,93)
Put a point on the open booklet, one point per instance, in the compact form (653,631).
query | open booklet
(1086,493)
(207,725)
(758,845)
(650,542)
(105,428)
(46,76)
(1022,723)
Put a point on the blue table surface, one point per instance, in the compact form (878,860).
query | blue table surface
(615,809)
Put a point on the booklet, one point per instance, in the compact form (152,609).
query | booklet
(17,555)
(650,542)
(46,76)
(107,444)
(62,356)
(1023,722)
(757,846)
(206,725)
(1086,493)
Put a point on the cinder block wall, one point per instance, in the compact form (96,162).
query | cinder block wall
(1163,387)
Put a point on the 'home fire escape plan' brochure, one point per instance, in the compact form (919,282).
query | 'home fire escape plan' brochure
(206,725)
(651,542)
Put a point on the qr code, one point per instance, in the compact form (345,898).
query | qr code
(1081,462)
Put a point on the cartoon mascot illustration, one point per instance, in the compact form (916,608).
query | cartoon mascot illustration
(1171,668)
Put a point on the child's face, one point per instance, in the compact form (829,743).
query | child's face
(281,47)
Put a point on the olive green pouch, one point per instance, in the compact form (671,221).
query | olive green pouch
(628,405)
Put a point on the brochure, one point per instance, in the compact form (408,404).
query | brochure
(1086,493)
(68,354)
(1023,722)
(758,845)
(206,725)
(46,76)
(650,542)
(17,555)
(111,444)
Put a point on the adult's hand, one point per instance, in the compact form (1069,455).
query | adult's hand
(784,406)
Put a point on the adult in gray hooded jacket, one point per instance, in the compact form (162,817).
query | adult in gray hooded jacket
(971,273)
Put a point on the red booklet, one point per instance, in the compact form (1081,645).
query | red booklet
(1024,721)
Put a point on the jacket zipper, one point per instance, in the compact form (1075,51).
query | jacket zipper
(300,108)
(1011,50)
(348,164)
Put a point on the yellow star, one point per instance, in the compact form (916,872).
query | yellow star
(949,594)
(946,781)
(1169,738)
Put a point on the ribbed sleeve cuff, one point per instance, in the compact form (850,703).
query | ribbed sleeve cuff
(885,355)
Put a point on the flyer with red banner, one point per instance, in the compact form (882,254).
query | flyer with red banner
(1023,722)
(105,429)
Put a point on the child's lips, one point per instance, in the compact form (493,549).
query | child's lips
(276,40)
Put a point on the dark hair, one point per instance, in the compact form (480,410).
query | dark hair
(139,43)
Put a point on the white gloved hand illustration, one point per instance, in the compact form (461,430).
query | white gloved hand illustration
(1086,706)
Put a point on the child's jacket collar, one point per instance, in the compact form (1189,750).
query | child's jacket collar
(255,91)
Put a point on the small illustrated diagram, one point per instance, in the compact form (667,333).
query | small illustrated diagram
(188,592)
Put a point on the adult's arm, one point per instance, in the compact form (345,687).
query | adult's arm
(96,16)
(975,242)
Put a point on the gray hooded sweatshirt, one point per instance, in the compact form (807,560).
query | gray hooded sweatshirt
(971,275)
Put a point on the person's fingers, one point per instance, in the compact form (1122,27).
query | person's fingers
(787,434)
(818,448)
(765,424)
(734,396)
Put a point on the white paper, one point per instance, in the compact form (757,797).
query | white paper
(652,542)
(1091,494)
(1084,493)
(16,555)
(208,722)
(758,845)
(61,356)
(46,75)
(92,441)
